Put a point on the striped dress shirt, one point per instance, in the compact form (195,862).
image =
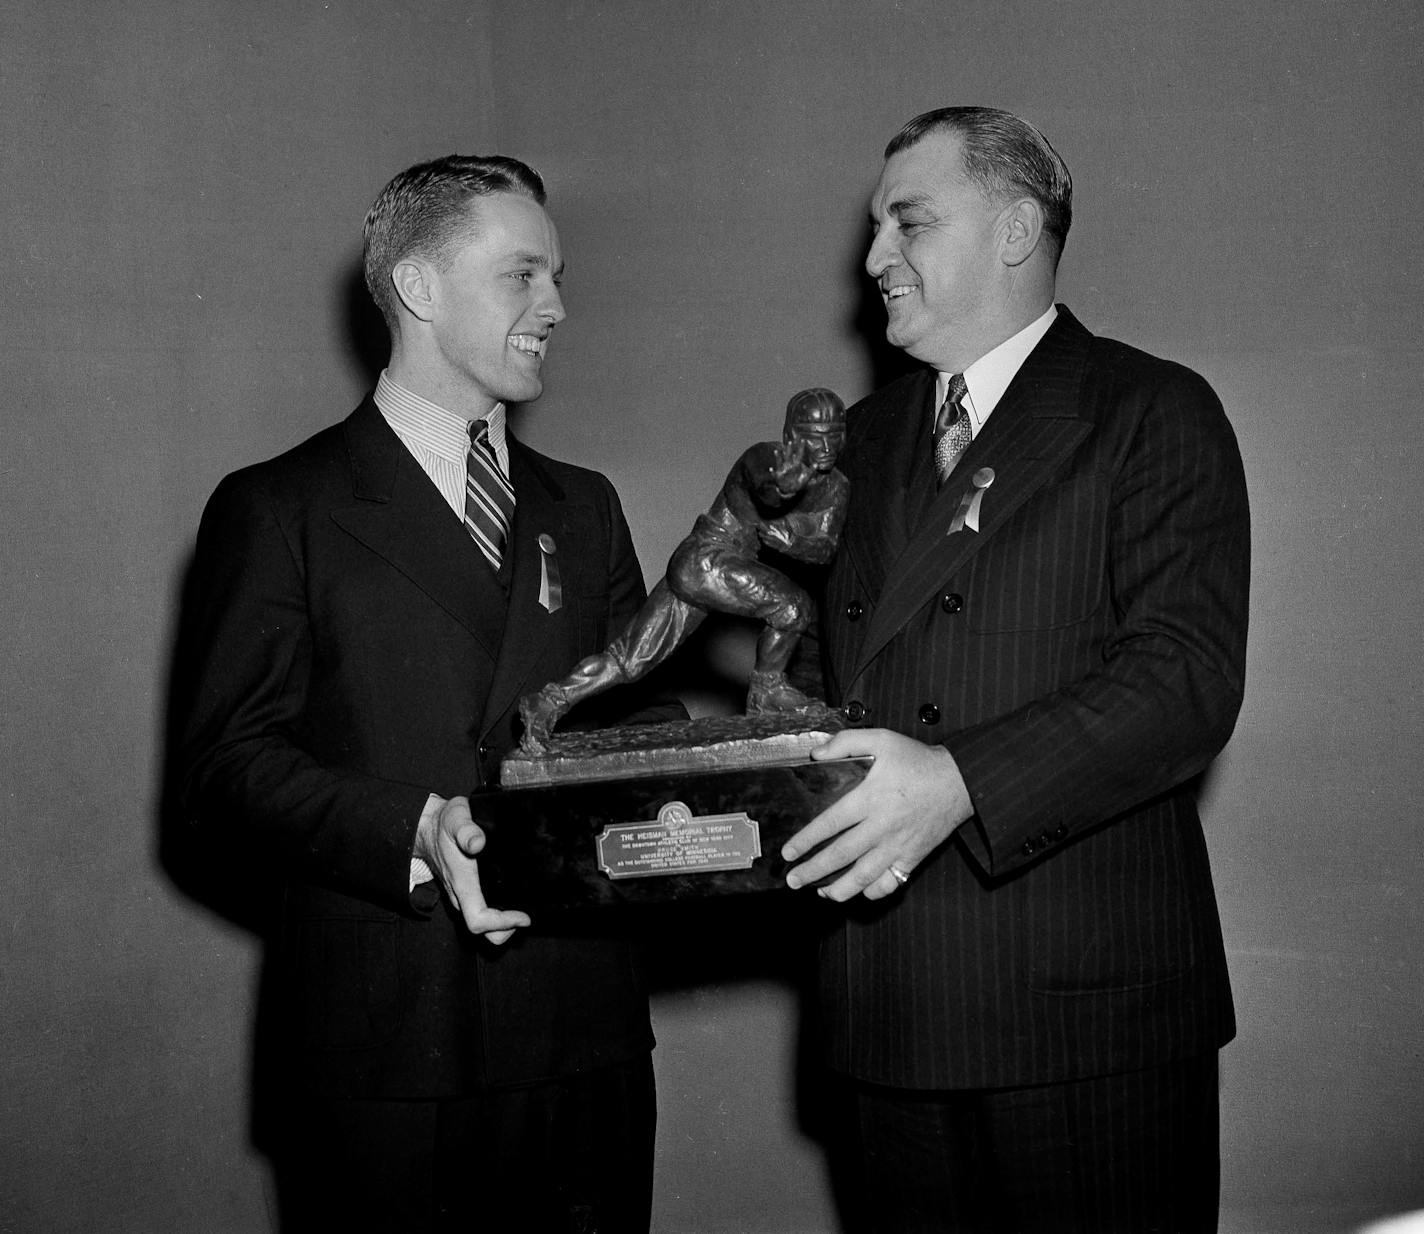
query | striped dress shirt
(438,439)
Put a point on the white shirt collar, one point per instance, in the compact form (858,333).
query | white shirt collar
(441,432)
(989,376)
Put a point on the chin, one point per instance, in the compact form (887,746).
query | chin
(899,337)
(525,392)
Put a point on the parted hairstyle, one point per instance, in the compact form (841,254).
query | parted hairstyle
(1005,157)
(425,210)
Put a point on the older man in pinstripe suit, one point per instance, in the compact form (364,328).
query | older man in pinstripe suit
(1037,627)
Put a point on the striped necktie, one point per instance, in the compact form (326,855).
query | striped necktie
(952,431)
(489,498)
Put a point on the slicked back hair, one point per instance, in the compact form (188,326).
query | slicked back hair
(425,210)
(1006,157)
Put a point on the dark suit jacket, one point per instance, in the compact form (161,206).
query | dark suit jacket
(1081,655)
(359,654)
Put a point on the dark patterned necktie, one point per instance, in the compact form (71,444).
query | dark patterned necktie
(489,497)
(952,430)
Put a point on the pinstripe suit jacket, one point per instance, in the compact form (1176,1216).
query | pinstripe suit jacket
(1081,654)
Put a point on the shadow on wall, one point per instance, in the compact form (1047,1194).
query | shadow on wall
(866,325)
(221,873)
(367,343)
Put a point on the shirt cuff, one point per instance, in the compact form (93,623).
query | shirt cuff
(419,871)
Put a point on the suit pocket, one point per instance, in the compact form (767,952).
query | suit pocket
(1046,567)
(349,982)
(1115,912)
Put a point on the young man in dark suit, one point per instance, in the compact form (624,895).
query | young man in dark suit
(371,605)
(1037,626)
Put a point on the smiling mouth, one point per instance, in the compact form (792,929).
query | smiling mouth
(894,293)
(530,344)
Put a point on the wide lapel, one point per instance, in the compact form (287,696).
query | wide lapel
(399,514)
(877,464)
(1035,426)
(538,499)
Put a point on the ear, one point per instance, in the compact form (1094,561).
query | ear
(1020,230)
(415,284)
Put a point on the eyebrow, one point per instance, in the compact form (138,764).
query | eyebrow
(914,201)
(911,201)
(539,260)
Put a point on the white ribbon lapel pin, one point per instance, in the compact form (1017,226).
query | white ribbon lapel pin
(968,513)
(551,591)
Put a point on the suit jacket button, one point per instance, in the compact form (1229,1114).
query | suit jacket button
(486,749)
(856,711)
(951,601)
(1060,831)
(929,714)
(853,610)
(1029,847)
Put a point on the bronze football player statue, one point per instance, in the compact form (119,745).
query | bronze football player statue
(786,495)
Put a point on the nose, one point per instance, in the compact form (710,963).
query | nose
(884,253)
(551,308)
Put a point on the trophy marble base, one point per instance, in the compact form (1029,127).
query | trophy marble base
(653,814)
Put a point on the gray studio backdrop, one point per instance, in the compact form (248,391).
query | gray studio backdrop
(183,189)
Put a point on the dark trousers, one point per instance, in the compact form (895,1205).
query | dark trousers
(1134,1153)
(572,1157)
